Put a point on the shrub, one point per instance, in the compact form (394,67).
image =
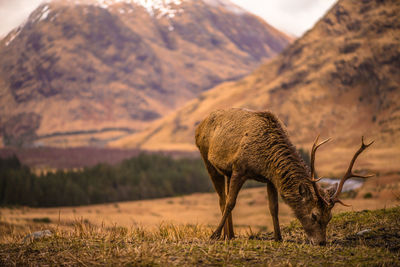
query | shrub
(368,195)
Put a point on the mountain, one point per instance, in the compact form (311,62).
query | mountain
(341,79)
(86,72)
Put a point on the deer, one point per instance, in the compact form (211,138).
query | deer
(237,145)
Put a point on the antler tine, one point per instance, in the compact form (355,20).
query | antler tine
(349,173)
(340,202)
(313,150)
(363,144)
(312,178)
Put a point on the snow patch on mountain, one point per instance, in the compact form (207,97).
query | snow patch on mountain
(41,14)
(11,36)
(153,7)
(156,8)
(45,13)
(228,5)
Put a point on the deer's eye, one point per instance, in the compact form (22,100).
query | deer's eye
(313,217)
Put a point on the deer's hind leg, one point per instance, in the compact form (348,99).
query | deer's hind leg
(273,208)
(221,183)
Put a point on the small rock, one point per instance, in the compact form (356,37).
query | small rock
(37,235)
(364,231)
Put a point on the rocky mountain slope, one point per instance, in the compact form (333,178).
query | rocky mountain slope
(341,79)
(84,72)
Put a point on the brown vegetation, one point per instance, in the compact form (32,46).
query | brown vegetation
(355,238)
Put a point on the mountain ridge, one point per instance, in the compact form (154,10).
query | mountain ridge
(87,67)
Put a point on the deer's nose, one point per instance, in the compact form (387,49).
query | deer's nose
(322,243)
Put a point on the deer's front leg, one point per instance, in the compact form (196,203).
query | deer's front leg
(273,208)
(235,184)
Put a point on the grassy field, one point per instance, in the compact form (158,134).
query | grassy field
(251,210)
(175,231)
(187,245)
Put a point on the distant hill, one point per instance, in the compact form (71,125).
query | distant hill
(86,72)
(341,79)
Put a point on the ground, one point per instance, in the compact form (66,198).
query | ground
(175,232)
(365,238)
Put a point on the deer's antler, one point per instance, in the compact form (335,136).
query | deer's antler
(350,174)
(313,179)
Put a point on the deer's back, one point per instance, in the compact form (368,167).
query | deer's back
(237,136)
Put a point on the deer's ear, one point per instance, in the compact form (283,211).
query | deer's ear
(305,192)
(332,190)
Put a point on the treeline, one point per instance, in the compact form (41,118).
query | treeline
(142,177)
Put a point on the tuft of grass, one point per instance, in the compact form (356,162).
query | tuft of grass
(188,245)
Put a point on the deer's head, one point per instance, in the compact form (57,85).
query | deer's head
(317,211)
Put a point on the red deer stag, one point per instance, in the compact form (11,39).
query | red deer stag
(237,145)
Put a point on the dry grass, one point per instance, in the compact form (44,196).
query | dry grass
(175,231)
(187,245)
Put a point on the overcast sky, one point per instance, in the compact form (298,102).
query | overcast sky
(291,16)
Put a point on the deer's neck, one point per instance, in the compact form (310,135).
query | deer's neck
(289,189)
(288,171)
